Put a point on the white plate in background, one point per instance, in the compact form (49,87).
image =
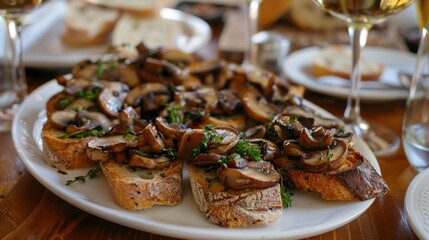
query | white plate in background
(417,204)
(308,216)
(297,68)
(43,47)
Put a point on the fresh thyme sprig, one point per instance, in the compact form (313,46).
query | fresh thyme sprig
(173,111)
(92,173)
(209,134)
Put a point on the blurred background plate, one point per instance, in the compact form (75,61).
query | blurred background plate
(43,47)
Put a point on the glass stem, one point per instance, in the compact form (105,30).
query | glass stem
(18,72)
(252,9)
(358,37)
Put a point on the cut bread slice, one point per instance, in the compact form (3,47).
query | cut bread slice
(139,188)
(336,60)
(355,179)
(132,30)
(233,208)
(64,153)
(87,24)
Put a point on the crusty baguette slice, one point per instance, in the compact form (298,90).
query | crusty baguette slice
(356,179)
(140,188)
(233,208)
(87,24)
(336,60)
(64,153)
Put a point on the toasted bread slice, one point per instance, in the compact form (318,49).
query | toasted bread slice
(356,179)
(64,153)
(139,188)
(88,25)
(233,208)
(336,60)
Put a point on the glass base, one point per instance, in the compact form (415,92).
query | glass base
(6,117)
(382,141)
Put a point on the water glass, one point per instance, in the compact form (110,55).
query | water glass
(415,129)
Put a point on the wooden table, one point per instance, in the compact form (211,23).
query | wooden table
(30,211)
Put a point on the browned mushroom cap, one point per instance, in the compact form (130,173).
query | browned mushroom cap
(319,140)
(150,140)
(229,101)
(264,79)
(258,108)
(128,74)
(268,149)
(80,104)
(88,120)
(235,121)
(225,139)
(99,149)
(348,137)
(297,110)
(169,130)
(151,96)
(111,98)
(84,69)
(255,132)
(291,149)
(325,160)
(206,159)
(254,176)
(203,68)
(205,97)
(127,116)
(190,140)
(235,160)
(75,85)
(287,127)
(158,163)
(178,57)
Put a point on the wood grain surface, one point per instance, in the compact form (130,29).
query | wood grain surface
(29,211)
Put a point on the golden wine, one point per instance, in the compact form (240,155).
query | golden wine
(422,12)
(17,8)
(363,11)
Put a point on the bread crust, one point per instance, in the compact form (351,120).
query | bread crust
(356,179)
(234,208)
(143,188)
(64,153)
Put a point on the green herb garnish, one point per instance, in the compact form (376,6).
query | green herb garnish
(80,135)
(209,182)
(209,134)
(286,196)
(92,173)
(245,148)
(329,155)
(129,135)
(64,103)
(173,111)
(90,95)
(223,159)
(171,153)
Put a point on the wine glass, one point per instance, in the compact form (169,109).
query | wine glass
(422,12)
(252,11)
(360,16)
(13,87)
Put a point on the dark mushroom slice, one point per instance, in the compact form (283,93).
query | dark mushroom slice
(127,116)
(147,162)
(255,132)
(250,177)
(80,104)
(235,160)
(292,150)
(320,140)
(268,149)
(309,113)
(190,140)
(112,97)
(287,127)
(84,69)
(225,139)
(206,159)
(128,74)
(178,57)
(169,130)
(264,79)
(61,119)
(99,149)
(150,140)
(88,120)
(235,121)
(258,108)
(229,101)
(325,160)
(151,96)
(348,137)
(205,97)
(202,69)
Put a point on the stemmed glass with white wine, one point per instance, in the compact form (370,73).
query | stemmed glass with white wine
(360,16)
(252,11)
(13,87)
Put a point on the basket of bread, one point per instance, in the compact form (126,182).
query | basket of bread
(245,138)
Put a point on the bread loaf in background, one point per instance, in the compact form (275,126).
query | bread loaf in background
(336,60)
(88,25)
